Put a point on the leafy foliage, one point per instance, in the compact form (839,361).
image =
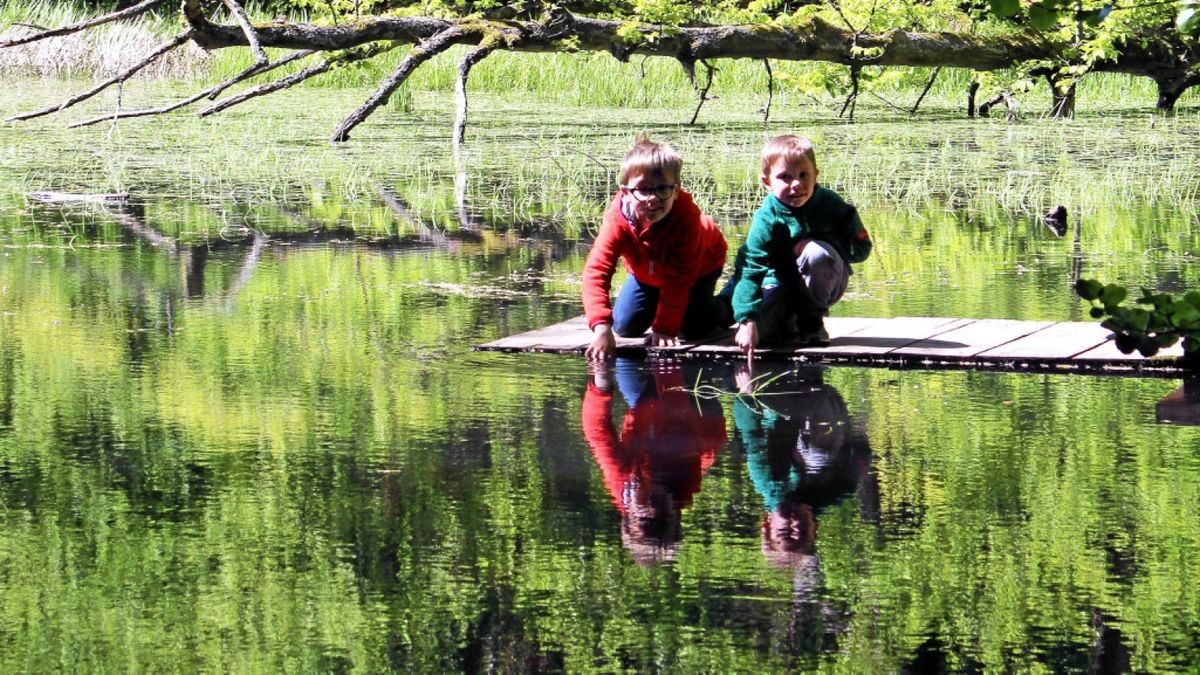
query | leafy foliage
(1161,323)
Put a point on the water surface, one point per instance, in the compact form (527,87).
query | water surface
(241,427)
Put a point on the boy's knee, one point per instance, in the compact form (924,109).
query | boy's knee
(627,330)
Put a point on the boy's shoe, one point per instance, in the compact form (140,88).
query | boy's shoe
(819,337)
(812,332)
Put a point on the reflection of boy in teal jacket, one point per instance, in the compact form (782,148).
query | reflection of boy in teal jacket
(800,460)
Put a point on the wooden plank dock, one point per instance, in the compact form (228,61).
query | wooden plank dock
(901,342)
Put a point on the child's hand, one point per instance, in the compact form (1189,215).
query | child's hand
(746,338)
(798,248)
(657,339)
(603,346)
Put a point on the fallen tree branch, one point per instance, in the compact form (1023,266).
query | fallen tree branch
(210,92)
(126,13)
(296,78)
(260,57)
(815,40)
(119,77)
(417,56)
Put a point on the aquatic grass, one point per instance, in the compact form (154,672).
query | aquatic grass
(96,53)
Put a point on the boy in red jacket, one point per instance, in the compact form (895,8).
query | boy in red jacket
(673,253)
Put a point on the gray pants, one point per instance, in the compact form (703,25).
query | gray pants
(823,279)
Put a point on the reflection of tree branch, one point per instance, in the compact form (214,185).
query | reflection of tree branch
(253,254)
(398,207)
(130,218)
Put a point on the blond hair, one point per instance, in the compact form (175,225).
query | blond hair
(788,147)
(651,157)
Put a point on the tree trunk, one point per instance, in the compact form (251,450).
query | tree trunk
(1170,89)
(1062,90)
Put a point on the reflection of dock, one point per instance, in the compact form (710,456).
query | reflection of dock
(913,342)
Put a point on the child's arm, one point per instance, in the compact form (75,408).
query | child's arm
(858,240)
(752,264)
(597,283)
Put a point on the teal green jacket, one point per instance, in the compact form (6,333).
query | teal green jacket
(766,258)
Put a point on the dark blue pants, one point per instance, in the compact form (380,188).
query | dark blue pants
(637,303)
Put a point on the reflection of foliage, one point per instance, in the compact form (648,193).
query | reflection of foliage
(1161,323)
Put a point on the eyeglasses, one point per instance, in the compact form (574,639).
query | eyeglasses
(644,192)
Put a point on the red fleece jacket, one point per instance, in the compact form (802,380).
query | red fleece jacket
(670,255)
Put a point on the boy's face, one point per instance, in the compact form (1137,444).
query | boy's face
(791,182)
(652,194)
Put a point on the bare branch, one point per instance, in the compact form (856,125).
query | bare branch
(704,92)
(119,77)
(268,88)
(126,13)
(417,56)
(928,85)
(211,91)
(460,88)
(838,8)
(770,91)
(260,57)
(297,78)
(852,98)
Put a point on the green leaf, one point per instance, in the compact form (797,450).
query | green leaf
(1126,343)
(1088,289)
(1184,315)
(1112,295)
(1094,17)
(1005,8)
(1191,344)
(1148,347)
(1193,297)
(1042,17)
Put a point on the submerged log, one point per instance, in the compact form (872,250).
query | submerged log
(80,198)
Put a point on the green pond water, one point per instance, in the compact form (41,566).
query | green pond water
(242,429)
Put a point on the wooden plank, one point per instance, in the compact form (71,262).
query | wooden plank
(885,336)
(573,329)
(904,341)
(973,338)
(1059,341)
(835,326)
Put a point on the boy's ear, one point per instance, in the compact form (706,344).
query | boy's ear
(766,180)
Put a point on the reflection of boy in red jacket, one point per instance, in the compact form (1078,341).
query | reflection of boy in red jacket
(653,468)
(673,253)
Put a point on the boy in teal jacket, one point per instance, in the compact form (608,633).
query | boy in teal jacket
(796,260)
